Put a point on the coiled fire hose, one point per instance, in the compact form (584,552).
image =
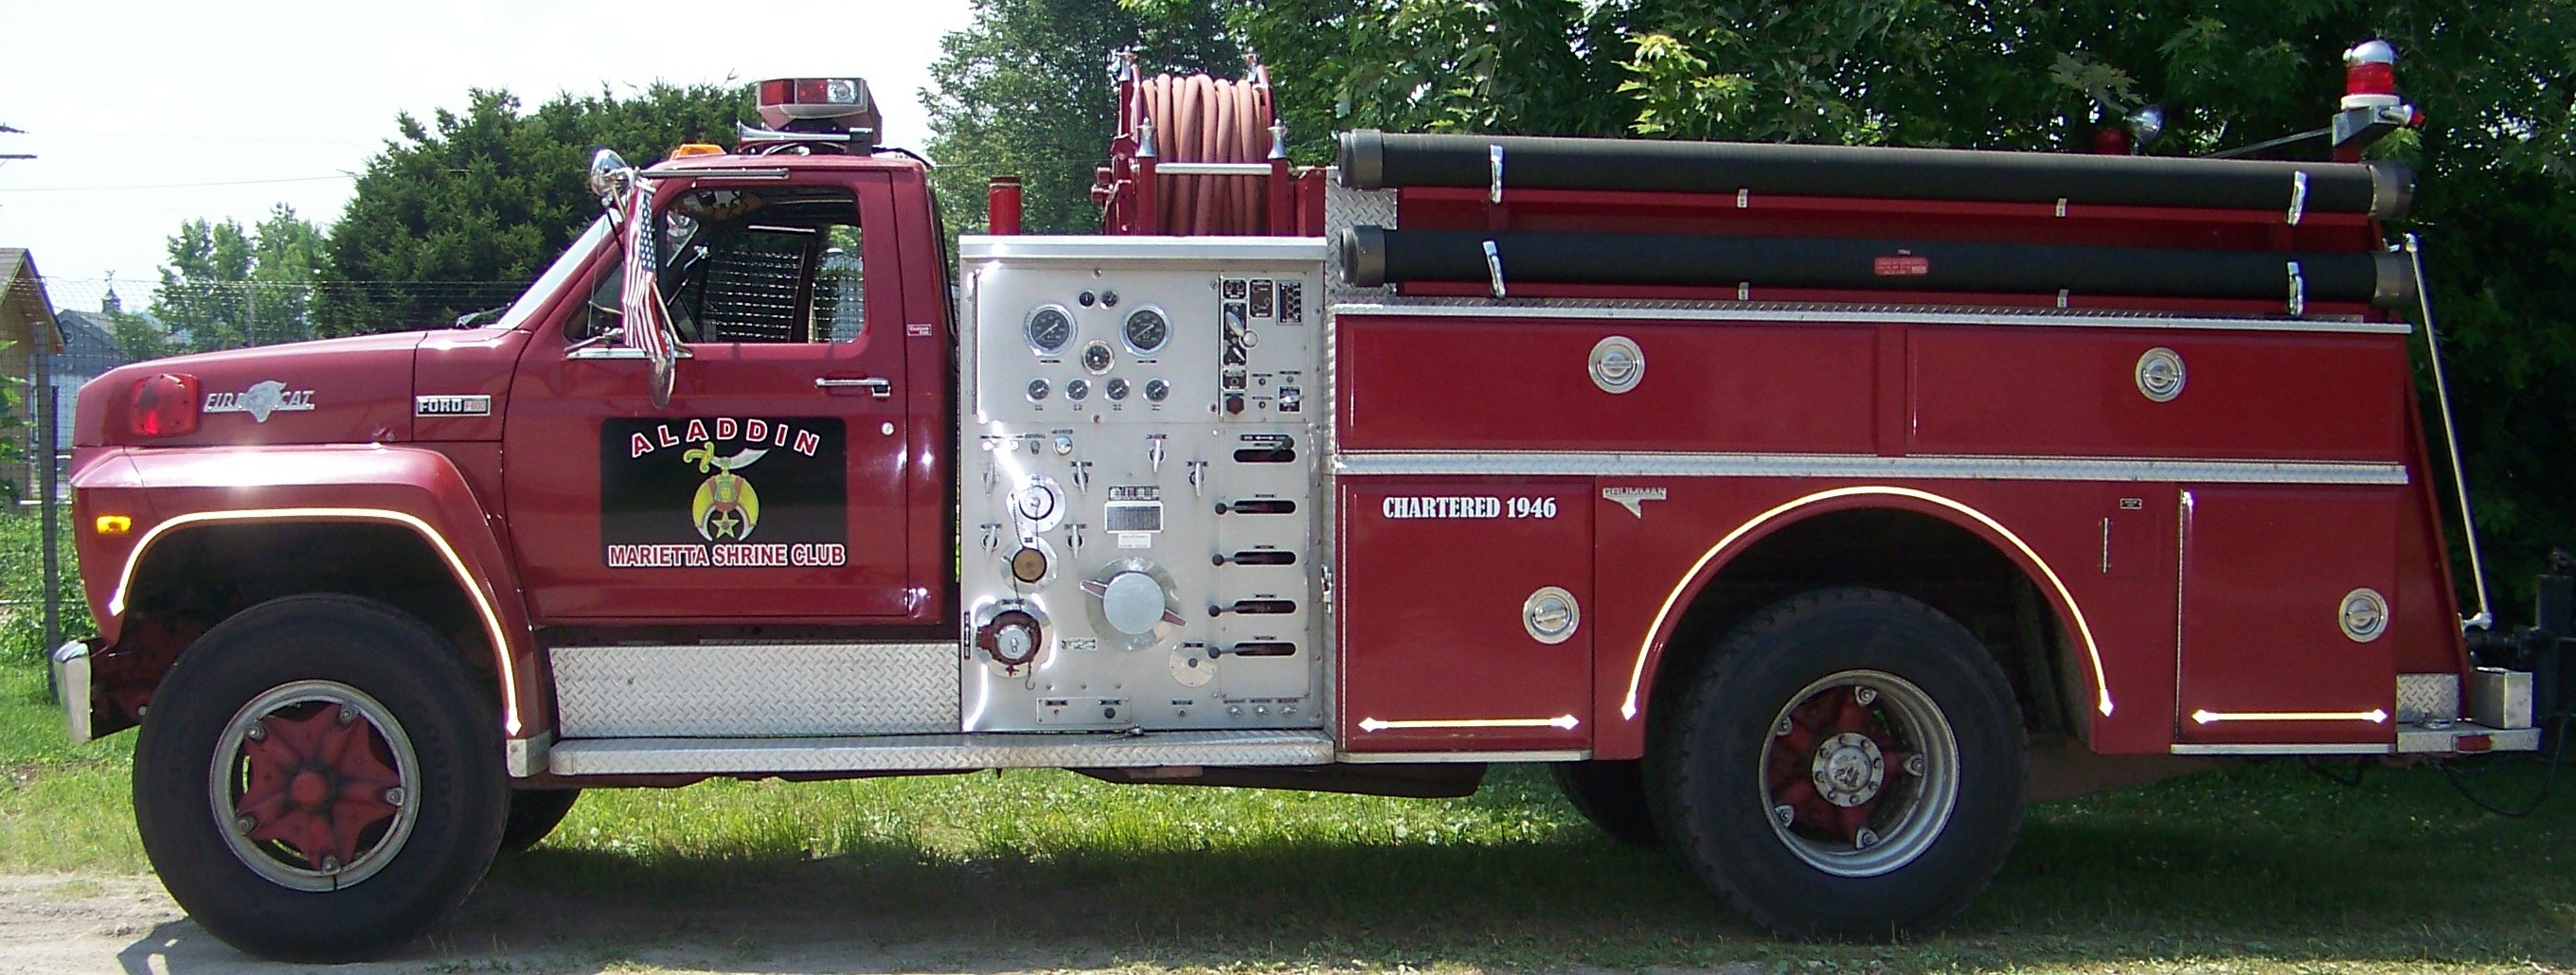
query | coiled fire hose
(1199,119)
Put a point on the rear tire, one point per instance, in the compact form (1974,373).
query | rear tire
(1612,795)
(1848,764)
(319,779)
(534,814)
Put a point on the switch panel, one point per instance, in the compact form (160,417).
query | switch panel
(1148,479)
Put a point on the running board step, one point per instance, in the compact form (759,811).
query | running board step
(2458,737)
(934,753)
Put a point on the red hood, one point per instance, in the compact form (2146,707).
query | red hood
(352,390)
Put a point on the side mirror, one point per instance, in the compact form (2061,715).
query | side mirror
(610,176)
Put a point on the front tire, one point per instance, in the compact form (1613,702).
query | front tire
(319,780)
(1847,764)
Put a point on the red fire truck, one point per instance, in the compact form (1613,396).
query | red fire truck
(1806,509)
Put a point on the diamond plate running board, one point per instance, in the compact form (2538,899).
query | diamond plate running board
(935,753)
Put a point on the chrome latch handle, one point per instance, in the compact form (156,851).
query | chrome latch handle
(879,388)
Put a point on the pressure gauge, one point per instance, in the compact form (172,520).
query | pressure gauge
(1147,330)
(1049,329)
(1097,357)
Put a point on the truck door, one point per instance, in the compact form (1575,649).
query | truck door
(771,487)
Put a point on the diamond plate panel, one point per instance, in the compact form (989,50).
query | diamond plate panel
(2422,697)
(927,753)
(1352,208)
(755,690)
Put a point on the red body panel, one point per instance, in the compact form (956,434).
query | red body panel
(2258,594)
(1434,655)
(1405,384)
(2072,392)
(2264,569)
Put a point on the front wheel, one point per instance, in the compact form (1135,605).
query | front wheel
(1847,764)
(318,779)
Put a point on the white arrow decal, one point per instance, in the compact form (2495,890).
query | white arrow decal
(2374,716)
(1565,722)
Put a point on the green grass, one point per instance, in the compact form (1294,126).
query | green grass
(2257,868)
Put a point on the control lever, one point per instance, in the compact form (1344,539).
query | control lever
(1082,476)
(1073,537)
(1259,648)
(1154,451)
(1258,556)
(992,537)
(1256,607)
(1198,478)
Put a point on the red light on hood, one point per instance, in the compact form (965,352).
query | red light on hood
(164,405)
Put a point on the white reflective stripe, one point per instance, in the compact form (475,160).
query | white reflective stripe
(1929,467)
(1869,315)
(491,619)
(1637,674)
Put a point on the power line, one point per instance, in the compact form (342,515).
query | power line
(172,186)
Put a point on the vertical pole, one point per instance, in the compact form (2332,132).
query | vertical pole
(50,434)
(250,313)
(1277,182)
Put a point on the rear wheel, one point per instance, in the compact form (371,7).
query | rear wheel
(318,779)
(1849,763)
(1610,794)
(534,813)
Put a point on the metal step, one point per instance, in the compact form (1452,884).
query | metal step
(934,753)
(2456,737)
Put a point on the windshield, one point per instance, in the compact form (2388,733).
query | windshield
(547,283)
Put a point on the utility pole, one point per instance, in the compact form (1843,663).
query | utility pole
(42,358)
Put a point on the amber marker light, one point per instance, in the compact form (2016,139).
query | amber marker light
(688,149)
(114,524)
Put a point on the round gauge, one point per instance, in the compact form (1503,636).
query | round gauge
(1038,390)
(1077,390)
(1147,330)
(1097,357)
(1157,390)
(1117,389)
(1049,329)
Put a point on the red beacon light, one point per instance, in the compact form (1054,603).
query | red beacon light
(2371,107)
(810,107)
(2370,76)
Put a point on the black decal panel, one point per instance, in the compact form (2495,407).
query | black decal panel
(723,492)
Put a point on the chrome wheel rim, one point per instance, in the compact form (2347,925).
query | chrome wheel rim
(314,786)
(1859,773)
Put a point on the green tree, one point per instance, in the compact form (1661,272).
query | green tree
(457,214)
(226,287)
(137,338)
(202,293)
(1026,91)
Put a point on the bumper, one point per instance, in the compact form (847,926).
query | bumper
(71,688)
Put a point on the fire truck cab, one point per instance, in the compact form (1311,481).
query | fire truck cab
(1806,509)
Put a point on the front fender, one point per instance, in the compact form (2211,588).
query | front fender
(169,491)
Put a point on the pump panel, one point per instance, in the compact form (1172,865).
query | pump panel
(1139,496)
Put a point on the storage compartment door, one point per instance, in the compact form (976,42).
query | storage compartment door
(1464,614)
(2285,631)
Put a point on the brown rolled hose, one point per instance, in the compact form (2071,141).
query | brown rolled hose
(1199,119)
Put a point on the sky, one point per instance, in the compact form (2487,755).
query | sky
(139,113)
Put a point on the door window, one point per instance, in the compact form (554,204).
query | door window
(775,266)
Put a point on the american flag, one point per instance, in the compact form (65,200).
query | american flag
(653,334)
